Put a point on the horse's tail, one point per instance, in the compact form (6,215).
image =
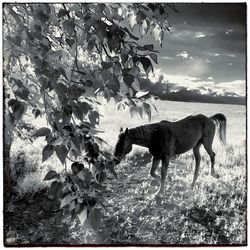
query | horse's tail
(221,122)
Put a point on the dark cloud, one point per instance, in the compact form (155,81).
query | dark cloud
(202,14)
(214,36)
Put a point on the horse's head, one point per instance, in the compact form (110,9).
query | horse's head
(123,145)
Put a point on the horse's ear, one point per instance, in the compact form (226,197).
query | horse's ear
(121,129)
(126,131)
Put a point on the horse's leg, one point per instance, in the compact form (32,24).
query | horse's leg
(207,142)
(197,157)
(155,163)
(164,168)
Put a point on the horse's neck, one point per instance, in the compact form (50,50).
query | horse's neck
(140,136)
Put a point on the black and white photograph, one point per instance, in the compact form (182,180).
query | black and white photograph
(124,124)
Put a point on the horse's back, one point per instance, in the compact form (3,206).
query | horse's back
(188,131)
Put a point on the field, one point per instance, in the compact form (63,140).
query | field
(214,213)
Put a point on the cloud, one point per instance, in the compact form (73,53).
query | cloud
(183,54)
(236,87)
(166,57)
(199,35)
(230,55)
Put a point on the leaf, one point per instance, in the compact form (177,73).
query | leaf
(85,175)
(18,109)
(48,150)
(55,190)
(61,152)
(76,140)
(132,21)
(62,12)
(12,102)
(147,109)
(51,175)
(85,107)
(23,93)
(94,217)
(83,215)
(128,78)
(76,167)
(158,34)
(59,88)
(42,132)
(153,57)
(147,65)
(72,205)
(144,28)
(149,47)
(100,177)
(93,118)
(136,85)
(140,111)
(113,43)
(77,111)
(67,200)
(37,113)
(133,111)
(130,34)
(141,94)
(69,26)
(70,42)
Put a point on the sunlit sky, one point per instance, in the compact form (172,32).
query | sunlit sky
(207,48)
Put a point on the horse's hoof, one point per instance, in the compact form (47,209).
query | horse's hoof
(215,175)
(155,177)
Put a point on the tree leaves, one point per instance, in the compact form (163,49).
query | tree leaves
(130,34)
(93,118)
(64,73)
(69,26)
(128,78)
(48,150)
(76,167)
(83,215)
(141,94)
(42,132)
(147,109)
(147,65)
(133,111)
(51,175)
(61,152)
(17,108)
(153,57)
(70,42)
(62,13)
(132,21)
(67,200)
(149,47)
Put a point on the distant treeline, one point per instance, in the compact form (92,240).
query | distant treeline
(163,91)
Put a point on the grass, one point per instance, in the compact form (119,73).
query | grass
(213,213)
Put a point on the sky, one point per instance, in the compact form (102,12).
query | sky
(206,49)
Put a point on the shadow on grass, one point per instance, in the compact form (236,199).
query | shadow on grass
(207,218)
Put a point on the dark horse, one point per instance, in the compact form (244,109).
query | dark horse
(166,139)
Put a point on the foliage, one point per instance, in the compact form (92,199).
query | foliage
(58,57)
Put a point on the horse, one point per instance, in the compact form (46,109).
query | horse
(167,139)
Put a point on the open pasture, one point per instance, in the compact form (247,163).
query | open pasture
(213,213)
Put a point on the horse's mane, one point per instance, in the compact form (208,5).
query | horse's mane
(143,131)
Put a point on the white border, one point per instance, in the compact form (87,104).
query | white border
(1,116)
